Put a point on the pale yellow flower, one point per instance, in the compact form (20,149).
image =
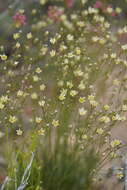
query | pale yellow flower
(12,119)
(20,93)
(104,119)
(3,57)
(82,111)
(41,103)
(115,143)
(34,95)
(55,123)
(19,132)
(52,53)
(38,119)
(73,93)
(82,99)
(41,132)
(29,35)
(42,87)
(35,78)
(38,70)
(106,107)
(16,36)
(100,131)
(1,105)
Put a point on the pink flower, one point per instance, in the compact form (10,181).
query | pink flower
(20,19)
(54,13)
(113,13)
(69,3)
(98,5)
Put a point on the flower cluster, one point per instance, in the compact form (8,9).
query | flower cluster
(19,19)
(54,13)
(107,9)
(63,88)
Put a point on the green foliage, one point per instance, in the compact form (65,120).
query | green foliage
(67,168)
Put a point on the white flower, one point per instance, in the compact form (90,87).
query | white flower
(19,132)
(82,111)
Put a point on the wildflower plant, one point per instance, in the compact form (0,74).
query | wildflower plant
(62,93)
